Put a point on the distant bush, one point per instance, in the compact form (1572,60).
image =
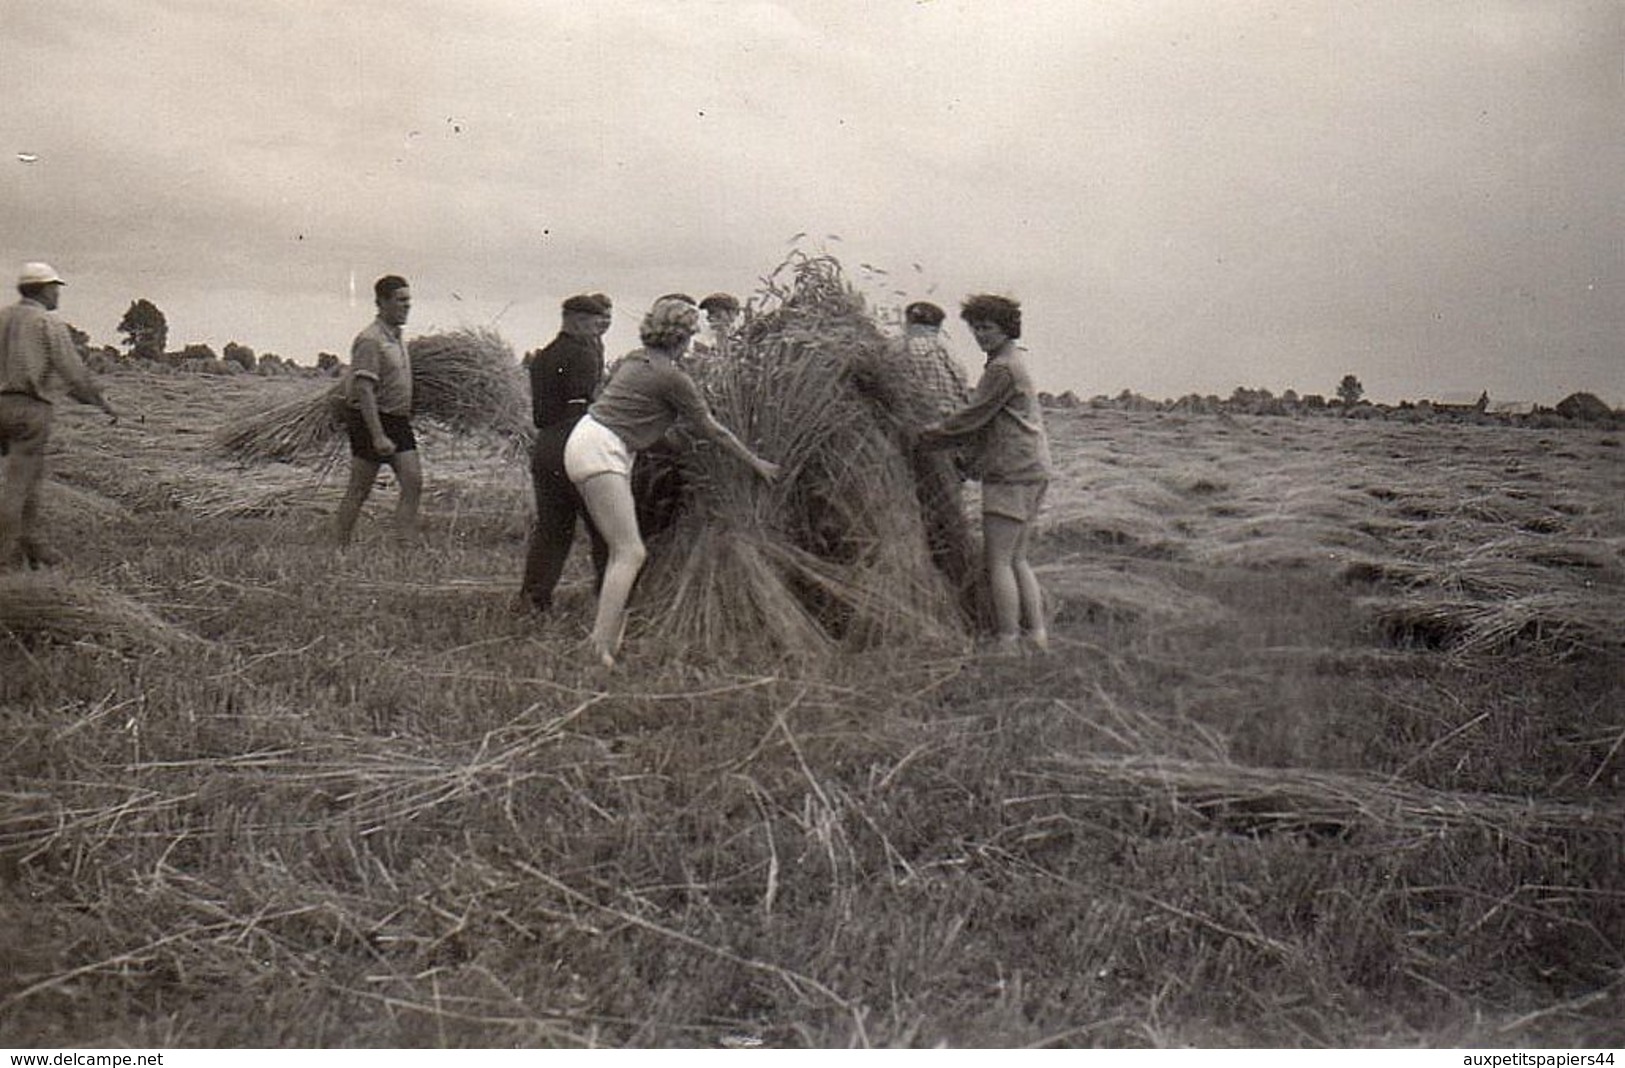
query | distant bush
(241,355)
(145,329)
(190,355)
(208,365)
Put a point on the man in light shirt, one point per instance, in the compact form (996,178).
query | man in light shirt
(378,413)
(35,348)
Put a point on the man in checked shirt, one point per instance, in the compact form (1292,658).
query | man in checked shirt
(933,387)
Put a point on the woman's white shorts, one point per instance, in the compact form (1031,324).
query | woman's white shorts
(595,449)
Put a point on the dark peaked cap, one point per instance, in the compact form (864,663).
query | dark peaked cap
(591,303)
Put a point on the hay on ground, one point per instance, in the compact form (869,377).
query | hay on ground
(204,487)
(46,605)
(1287,800)
(64,506)
(1091,588)
(1556,624)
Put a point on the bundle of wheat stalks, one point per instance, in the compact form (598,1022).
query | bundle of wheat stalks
(469,381)
(1560,623)
(46,605)
(464,381)
(1535,593)
(304,430)
(833,554)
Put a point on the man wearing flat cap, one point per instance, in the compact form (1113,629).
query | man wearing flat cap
(931,386)
(939,384)
(564,379)
(713,347)
(35,347)
(721,315)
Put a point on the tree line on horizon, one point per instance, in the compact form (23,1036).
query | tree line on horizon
(145,332)
(1348,400)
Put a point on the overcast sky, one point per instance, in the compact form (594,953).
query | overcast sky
(1187,196)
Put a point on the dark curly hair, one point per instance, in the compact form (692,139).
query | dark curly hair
(1002,312)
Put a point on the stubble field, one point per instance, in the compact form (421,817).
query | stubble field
(1328,751)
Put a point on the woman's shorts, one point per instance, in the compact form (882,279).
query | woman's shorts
(398,428)
(1013,500)
(595,449)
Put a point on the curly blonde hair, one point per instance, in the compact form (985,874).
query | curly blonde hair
(669,323)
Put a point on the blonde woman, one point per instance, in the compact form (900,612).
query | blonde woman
(648,393)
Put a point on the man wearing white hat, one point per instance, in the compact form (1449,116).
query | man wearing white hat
(34,347)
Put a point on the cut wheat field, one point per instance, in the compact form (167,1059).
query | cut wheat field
(1328,751)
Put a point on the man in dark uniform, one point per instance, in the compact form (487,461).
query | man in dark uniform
(564,379)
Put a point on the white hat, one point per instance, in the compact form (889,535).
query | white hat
(36,274)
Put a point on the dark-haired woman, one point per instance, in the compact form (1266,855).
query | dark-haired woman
(1002,427)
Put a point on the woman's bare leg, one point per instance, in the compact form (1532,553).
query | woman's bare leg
(1032,597)
(609,502)
(1000,536)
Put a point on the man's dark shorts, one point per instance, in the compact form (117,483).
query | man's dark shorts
(398,428)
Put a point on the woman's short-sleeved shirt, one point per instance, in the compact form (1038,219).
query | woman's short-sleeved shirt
(645,396)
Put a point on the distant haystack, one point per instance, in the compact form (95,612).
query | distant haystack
(1584,408)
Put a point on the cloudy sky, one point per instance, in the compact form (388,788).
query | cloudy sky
(1185,195)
